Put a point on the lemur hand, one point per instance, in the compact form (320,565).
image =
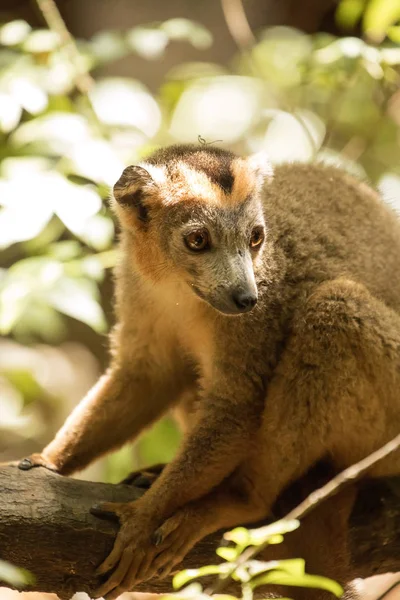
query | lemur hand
(144,546)
(36,460)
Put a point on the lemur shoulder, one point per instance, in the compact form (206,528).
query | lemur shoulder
(264,306)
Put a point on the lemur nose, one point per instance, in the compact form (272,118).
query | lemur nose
(244,301)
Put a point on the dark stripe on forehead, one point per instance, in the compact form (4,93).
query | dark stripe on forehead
(215,163)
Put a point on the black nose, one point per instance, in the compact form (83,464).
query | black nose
(244,301)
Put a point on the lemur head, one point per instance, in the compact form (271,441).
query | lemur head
(194,214)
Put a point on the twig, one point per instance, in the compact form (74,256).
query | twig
(237,23)
(344,478)
(390,589)
(83,81)
(333,486)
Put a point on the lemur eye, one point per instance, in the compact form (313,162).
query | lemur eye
(198,240)
(257,237)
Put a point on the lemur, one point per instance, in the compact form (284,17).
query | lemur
(265,306)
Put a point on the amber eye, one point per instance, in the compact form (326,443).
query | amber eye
(198,240)
(257,237)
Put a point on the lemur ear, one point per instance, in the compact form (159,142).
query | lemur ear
(132,189)
(261,166)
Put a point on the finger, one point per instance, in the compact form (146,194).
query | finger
(134,574)
(112,558)
(115,593)
(115,579)
(35,460)
(146,570)
(166,570)
(107,510)
(164,530)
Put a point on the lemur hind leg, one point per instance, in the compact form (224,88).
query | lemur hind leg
(335,391)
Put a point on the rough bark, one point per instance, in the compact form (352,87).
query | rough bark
(46,527)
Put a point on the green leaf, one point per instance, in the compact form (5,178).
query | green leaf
(15,575)
(292,572)
(186,30)
(349,13)
(108,46)
(14,32)
(183,577)
(14,299)
(263,534)
(10,113)
(148,42)
(217,108)
(394,34)
(379,16)
(136,106)
(42,40)
(239,535)
(75,298)
(228,554)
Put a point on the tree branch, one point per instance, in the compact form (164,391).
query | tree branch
(46,527)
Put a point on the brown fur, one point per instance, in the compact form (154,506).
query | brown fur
(312,371)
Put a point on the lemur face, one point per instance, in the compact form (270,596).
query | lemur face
(196,216)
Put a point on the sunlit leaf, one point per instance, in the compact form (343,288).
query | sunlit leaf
(76,298)
(279,56)
(11,405)
(65,250)
(108,46)
(186,30)
(96,160)
(379,16)
(292,137)
(119,101)
(262,534)
(184,577)
(280,577)
(349,12)
(98,232)
(14,299)
(30,96)
(41,40)
(10,113)
(239,535)
(40,321)
(16,167)
(15,575)
(55,133)
(75,204)
(147,42)
(13,195)
(14,32)
(221,108)
(394,34)
(228,554)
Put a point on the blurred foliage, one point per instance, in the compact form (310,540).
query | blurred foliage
(15,576)
(250,572)
(296,96)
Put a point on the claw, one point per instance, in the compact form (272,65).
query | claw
(157,538)
(26,463)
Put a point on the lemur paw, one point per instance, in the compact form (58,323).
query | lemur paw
(145,478)
(36,460)
(143,548)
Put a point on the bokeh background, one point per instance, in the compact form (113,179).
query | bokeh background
(90,86)
(87,88)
